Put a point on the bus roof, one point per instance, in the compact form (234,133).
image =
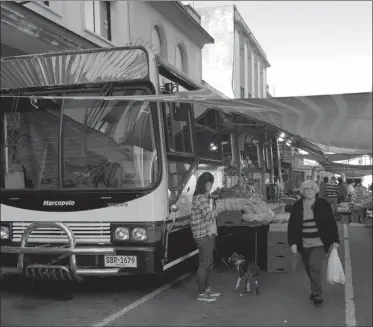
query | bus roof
(74,67)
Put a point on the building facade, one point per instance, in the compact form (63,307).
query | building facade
(169,28)
(235,64)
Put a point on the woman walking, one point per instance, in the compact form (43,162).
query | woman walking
(204,231)
(312,231)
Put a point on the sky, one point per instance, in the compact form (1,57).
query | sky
(314,47)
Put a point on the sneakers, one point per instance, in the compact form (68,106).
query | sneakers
(212,293)
(206,297)
(316,299)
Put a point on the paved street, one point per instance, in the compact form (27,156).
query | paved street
(283,300)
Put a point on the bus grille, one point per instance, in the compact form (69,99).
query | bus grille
(85,233)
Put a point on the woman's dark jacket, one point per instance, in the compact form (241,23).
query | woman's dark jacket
(325,222)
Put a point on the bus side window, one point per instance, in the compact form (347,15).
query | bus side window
(177,128)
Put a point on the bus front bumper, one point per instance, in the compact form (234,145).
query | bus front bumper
(72,262)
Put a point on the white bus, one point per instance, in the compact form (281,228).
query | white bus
(98,187)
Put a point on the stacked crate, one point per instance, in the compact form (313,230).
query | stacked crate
(279,255)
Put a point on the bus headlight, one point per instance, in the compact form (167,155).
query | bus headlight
(139,234)
(121,234)
(4,233)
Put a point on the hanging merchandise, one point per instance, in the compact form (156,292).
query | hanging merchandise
(335,272)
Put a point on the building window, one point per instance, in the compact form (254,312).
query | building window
(156,41)
(97,18)
(159,41)
(46,3)
(181,58)
(242,92)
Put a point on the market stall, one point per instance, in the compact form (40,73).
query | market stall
(252,227)
(357,210)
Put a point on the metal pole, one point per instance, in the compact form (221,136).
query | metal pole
(259,151)
(271,162)
(279,162)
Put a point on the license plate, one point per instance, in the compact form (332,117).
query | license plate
(120,261)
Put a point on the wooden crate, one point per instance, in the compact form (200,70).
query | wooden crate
(277,238)
(229,218)
(280,263)
(277,249)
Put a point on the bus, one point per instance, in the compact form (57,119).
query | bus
(93,184)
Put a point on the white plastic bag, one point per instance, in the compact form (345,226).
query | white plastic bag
(213,228)
(335,272)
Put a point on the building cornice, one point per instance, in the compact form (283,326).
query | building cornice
(239,19)
(179,16)
(184,11)
(16,15)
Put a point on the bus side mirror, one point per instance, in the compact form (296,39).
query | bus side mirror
(174,208)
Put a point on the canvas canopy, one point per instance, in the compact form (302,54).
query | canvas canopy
(338,123)
(334,123)
(349,170)
(332,157)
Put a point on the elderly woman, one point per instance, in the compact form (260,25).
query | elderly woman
(312,231)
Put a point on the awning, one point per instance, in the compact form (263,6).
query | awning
(332,157)
(74,67)
(342,122)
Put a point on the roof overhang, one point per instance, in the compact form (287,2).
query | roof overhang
(178,15)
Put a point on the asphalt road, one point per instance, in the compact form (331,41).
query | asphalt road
(283,300)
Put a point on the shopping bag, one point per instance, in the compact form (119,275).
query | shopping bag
(335,272)
(213,228)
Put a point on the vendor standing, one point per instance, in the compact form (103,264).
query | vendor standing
(322,193)
(359,191)
(312,231)
(203,224)
(350,190)
(342,191)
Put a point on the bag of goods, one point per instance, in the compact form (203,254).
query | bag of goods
(343,207)
(260,212)
(335,273)
(248,215)
(231,204)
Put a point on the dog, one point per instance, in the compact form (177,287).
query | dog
(247,273)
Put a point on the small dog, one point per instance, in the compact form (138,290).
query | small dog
(247,272)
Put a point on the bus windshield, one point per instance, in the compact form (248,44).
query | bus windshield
(79,144)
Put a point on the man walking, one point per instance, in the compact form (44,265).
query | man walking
(332,189)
